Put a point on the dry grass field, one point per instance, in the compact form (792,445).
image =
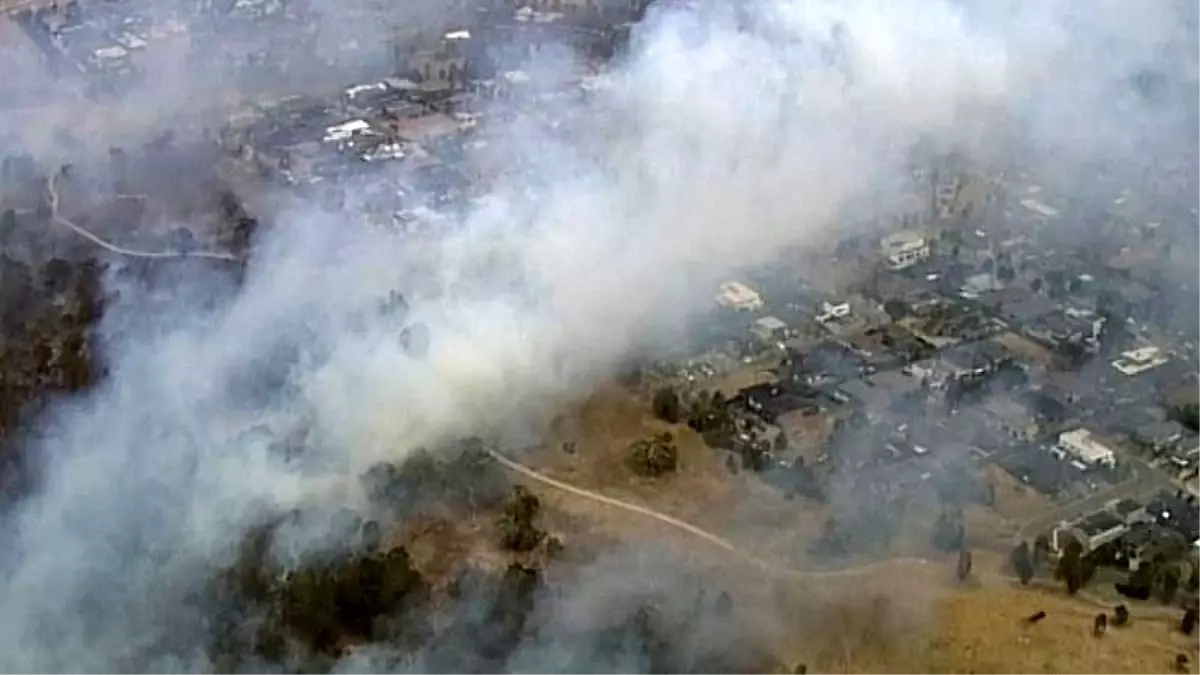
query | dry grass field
(898,616)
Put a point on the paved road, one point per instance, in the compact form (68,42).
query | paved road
(1146,482)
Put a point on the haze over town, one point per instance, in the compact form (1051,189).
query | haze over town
(565,334)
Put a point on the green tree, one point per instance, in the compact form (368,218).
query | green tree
(654,457)
(1188,415)
(896,309)
(516,523)
(963,570)
(1022,562)
(1168,583)
(1070,567)
(8,226)
(948,532)
(667,406)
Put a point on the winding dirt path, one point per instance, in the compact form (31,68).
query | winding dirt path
(52,189)
(714,539)
(790,572)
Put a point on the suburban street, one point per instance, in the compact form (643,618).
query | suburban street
(1146,482)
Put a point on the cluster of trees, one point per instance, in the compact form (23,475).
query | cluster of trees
(705,413)
(654,457)
(305,617)
(460,476)
(47,318)
(323,604)
(1188,415)
(516,528)
(1157,577)
(709,415)
(1074,568)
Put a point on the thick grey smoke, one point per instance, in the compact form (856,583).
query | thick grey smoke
(723,139)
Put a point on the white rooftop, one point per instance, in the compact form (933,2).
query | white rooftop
(1140,360)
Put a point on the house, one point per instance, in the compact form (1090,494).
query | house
(436,66)
(1059,329)
(972,360)
(1027,308)
(1176,512)
(1130,511)
(1092,531)
(887,391)
(1140,360)
(904,249)
(1037,468)
(769,329)
(827,360)
(832,311)
(1184,457)
(1012,418)
(771,401)
(736,295)
(1085,447)
(1159,436)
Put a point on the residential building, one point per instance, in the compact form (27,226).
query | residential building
(831,311)
(1037,468)
(879,394)
(1085,447)
(1130,511)
(1176,512)
(436,66)
(904,249)
(1013,418)
(1140,360)
(972,360)
(769,329)
(1159,436)
(1091,531)
(737,295)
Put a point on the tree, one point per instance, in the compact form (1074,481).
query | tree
(781,442)
(1120,615)
(948,532)
(1022,562)
(515,525)
(8,226)
(896,309)
(667,406)
(655,457)
(1188,415)
(1041,549)
(1168,583)
(1070,567)
(964,565)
